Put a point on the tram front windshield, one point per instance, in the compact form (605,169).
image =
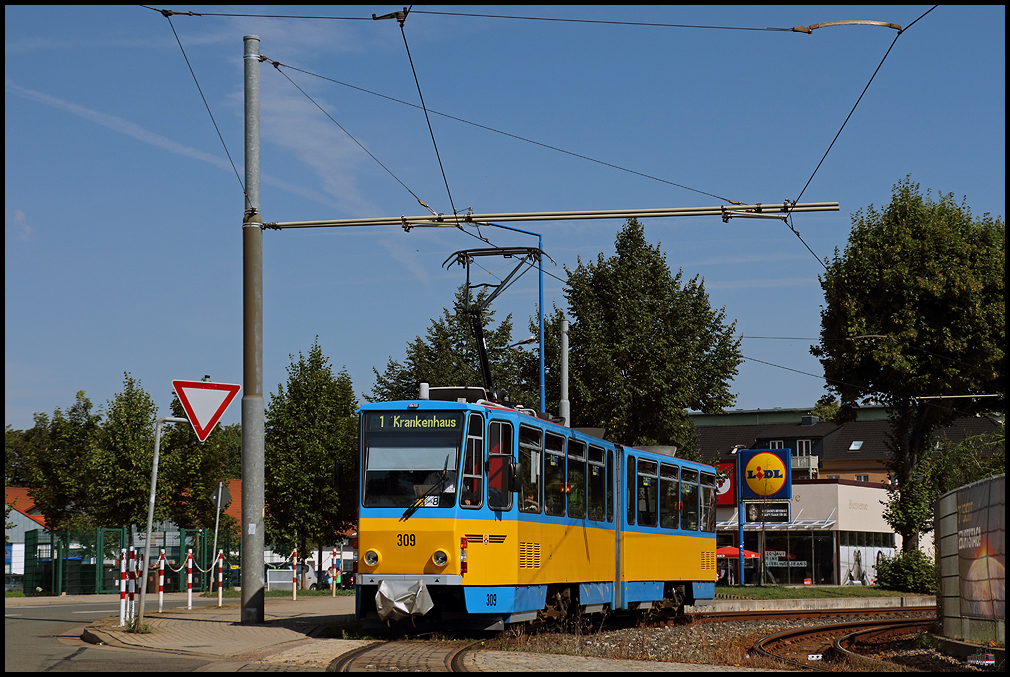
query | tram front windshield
(409,456)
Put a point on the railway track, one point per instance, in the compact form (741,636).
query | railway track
(809,648)
(405,656)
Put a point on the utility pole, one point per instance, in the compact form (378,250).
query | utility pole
(253,424)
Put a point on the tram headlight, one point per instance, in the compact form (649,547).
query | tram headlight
(371,558)
(440,558)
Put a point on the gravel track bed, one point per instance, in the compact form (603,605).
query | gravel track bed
(718,643)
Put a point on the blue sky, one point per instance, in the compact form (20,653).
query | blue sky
(122,215)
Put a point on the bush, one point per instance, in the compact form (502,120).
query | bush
(908,572)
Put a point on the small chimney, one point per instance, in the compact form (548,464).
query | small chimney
(810,419)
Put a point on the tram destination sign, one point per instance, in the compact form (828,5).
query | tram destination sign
(413,421)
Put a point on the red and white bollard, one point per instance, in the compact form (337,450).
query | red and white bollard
(189,578)
(131,607)
(294,575)
(122,587)
(334,568)
(220,577)
(161,581)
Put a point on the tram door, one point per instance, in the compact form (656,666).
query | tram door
(620,498)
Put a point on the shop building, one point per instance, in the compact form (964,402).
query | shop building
(832,530)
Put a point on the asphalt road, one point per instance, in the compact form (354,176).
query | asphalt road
(47,637)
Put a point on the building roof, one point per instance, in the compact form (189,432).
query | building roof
(797,431)
(716,441)
(858,441)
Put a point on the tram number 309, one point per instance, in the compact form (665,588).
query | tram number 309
(405,540)
(492,599)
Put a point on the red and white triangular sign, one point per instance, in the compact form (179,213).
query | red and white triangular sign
(204,403)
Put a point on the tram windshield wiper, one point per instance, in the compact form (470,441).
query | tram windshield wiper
(435,489)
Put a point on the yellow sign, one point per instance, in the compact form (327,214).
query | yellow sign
(765,474)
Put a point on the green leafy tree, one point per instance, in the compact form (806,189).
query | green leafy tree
(310,425)
(826,409)
(645,346)
(914,307)
(120,492)
(15,470)
(447,356)
(189,472)
(58,454)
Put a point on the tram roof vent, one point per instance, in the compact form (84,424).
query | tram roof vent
(457,394)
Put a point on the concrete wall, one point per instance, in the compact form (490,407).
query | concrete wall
(970,537)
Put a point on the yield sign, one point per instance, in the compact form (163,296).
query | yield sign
(204,403)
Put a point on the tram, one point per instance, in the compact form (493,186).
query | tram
(477,513)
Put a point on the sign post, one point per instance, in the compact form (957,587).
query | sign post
(762,474)
(204,403)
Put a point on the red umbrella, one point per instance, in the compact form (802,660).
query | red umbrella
(734,552)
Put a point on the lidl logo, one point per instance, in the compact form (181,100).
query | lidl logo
(765,474)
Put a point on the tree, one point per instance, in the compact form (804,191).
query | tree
(448,357)
(310,425)
(190,470)
(123,459)
(914,308)
(58,455)
(645,346)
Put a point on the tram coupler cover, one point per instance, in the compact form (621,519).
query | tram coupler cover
(396,599)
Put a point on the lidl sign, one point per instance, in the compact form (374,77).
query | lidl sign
(767,473)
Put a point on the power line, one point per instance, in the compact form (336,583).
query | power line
(515,136)
(206,105)
(426,118)
(479,16)
(277,64)
(847,117)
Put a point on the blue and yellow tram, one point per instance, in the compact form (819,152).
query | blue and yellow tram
(472,510)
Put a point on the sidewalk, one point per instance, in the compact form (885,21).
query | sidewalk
(290,635)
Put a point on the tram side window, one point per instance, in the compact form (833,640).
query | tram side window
(597,481)
(669,496)
(689,499)
(576,488)
(472,494)
(554,475)
(630,484)
(648,492)
(530,454)
(610,485)
(708,497)
(499,453)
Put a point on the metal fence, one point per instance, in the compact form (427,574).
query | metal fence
(78,562)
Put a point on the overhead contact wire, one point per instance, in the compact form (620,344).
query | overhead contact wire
(427,119)
(847,117)
(168,16)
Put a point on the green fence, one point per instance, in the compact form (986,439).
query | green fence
(87,562)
